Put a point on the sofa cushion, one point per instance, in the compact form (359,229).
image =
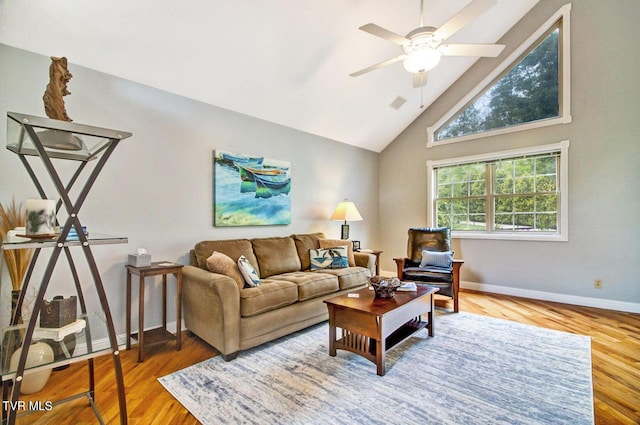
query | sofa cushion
(311,285)
(276,256)
(270,295)
(304,243)
(329,258)
(249,274)
(427,274)
(223,264)
(234,248)
(330,243)
(351,277)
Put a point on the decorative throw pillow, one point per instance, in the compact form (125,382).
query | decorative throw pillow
(329,258)
(442,260)
(330,243)
(248,272)
(223,264)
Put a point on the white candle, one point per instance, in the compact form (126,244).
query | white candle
(41,216)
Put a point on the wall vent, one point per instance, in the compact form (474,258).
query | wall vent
(398,102)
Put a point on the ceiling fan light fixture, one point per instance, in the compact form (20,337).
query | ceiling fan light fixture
(421,60)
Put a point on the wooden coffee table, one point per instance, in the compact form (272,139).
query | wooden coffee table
(372,326)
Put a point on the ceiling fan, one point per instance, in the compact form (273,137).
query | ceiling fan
(422,48)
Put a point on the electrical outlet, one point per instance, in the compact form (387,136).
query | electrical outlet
(597,283)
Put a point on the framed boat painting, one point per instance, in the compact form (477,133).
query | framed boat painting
(250,190)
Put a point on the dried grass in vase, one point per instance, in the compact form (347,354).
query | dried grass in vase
(17,259)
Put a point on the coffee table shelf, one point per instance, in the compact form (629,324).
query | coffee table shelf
(372,326)
(401,334)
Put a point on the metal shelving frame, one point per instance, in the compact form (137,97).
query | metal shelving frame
(25,136)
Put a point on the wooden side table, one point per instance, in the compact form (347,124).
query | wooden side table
(160,334)
(377,254)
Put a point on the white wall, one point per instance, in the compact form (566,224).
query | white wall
(157,187)
(604,169)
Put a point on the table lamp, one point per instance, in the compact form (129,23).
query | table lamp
(346,211)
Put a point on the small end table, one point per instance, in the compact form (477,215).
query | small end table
(377,254)
(160,334)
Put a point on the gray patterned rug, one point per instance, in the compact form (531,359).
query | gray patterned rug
(476,370)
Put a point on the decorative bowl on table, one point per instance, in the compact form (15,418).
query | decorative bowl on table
(384,287)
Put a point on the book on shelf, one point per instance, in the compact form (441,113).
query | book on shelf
(73,234)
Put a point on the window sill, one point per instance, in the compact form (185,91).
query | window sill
(505,236)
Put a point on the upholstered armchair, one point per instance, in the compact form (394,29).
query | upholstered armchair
(430,260)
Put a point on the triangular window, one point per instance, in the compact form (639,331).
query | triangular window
(529,89)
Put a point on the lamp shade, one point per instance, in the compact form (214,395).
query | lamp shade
(346,211)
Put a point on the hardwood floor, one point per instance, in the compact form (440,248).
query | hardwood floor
(615,360)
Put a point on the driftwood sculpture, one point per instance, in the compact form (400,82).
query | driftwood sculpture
(59,76)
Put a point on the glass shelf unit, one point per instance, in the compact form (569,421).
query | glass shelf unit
(46,139)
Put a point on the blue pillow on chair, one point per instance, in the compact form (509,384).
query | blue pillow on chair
(441,260)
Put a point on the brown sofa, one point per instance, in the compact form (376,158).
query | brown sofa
(232,317)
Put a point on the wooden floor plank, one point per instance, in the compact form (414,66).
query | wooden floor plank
(615,361)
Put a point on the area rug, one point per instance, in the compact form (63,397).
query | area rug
(476,370)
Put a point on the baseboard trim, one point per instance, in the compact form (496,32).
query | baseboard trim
(551,296)
(104,343)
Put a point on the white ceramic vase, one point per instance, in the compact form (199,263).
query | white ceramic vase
(39,354)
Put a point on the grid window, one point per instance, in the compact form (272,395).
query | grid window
(510,194)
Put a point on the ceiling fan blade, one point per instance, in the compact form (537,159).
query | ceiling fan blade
(419,79)
(466,15)
(488,50)
(378,65)
(378,31)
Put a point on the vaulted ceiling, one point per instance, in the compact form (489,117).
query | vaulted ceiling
(284,61)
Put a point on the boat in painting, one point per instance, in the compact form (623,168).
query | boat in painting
(272,185)
(235,159)
(247,171)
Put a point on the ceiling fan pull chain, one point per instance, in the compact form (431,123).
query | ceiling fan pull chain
(422,97)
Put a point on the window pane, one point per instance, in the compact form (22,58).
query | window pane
(546,165)
(445,190)
(504,181)
(461,192)
(503,221)
(546,203)
(461,189)
(547,222)
(478,180)
(523,167)
(477,206)
(503,205)
(477,222)
(524,184)
(545,184)
(444,174)
(523,203)
(458,223)
(528,92)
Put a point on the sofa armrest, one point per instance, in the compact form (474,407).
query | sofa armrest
(364,259)
(211,308)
